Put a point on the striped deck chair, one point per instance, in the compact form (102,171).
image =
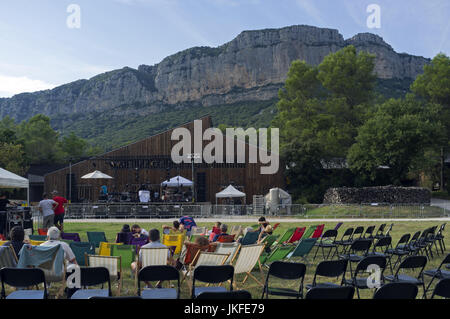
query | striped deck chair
(105,248)
(198,231)
(236,230)
(206,259)
(228,248)
(112,263)
(151,257)
(8,258)
(246,261)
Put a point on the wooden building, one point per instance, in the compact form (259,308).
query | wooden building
(149,162)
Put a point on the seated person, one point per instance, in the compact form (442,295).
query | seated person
(187,256)
(223,232)
(215,231)
(267,231)
(154,242)
(125,235)
(175,228)
(53,236)
(138,231)
(262,224)
(17,236)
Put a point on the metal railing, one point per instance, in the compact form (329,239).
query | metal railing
(163,210)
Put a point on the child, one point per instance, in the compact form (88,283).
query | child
(215,231)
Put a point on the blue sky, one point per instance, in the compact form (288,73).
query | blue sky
(38,50)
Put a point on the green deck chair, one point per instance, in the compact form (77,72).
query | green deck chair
(96,238)
(278,253)
(308,233)
(80,249)
(286,236)
(269,240)
(38,237)
(303,248)
(127,252)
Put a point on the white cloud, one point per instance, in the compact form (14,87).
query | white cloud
(11,85)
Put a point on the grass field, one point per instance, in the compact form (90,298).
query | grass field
(399,229)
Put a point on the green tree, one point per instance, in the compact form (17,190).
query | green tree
(13,158)
(40,140)
(349,75)
(319,112)
(397,134)
(74,147)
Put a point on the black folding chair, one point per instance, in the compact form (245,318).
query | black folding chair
(379,234)
(128,298)
(92,276)
(423,243)
(358,231)
(369,232)
(286,271)
(362,267)
(327,241)
(412,245)
(410,263)
(361,246)
(330,269)
(235,294)
(442,289)
(440,237)
(431,240)
(398,251)
(159,273)
(318,293)
(397,290)
(345,241)
(212,275)
(23,277)
(438,273)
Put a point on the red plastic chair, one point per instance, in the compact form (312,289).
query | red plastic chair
(297,235)
(42,231)
(318,232)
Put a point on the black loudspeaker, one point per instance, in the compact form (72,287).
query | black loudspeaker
(70,181)
(200,185)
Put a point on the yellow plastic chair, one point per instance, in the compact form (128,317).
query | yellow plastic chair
(105,248)
(36,242)
(174,240)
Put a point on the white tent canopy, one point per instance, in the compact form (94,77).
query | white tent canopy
(11,180)
(96,175)
(177,181)
(230,192)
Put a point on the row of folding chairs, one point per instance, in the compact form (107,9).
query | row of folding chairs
(337,269)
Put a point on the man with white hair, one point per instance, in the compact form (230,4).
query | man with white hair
(53,239)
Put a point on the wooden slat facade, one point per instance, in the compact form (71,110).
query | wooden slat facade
(217,176)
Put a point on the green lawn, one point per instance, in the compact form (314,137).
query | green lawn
(399,229)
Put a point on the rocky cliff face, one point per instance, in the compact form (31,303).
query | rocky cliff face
(252,67)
